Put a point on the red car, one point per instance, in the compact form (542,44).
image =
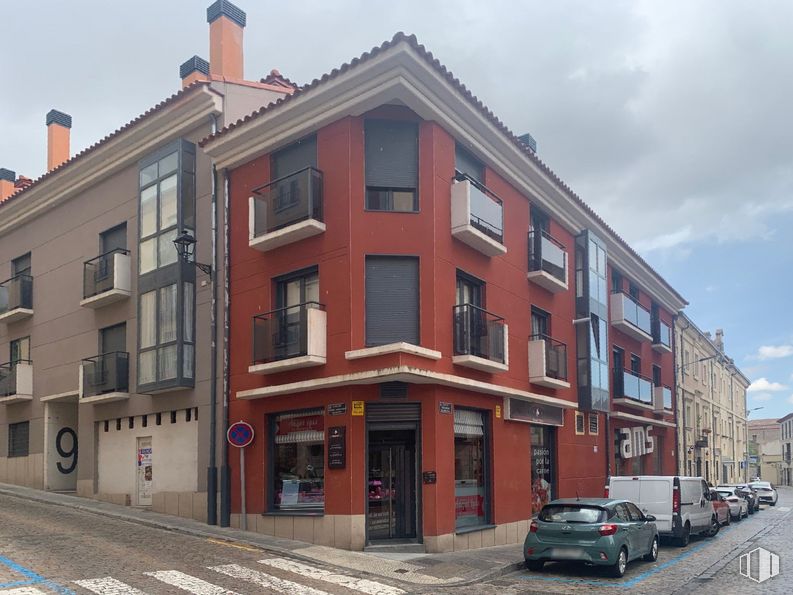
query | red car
(720,507)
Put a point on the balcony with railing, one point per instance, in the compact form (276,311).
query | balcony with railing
(547,362)
(662,399)
(286,210)
(16,381)
(480,339)
(662,336)
(632,389)
(630,317)
(16,299)
(106,279)
(477,216)
(547,262)
(289,338)
(104,378)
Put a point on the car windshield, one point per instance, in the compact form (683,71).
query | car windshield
(572,513)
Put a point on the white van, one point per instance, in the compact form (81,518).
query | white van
(680,505)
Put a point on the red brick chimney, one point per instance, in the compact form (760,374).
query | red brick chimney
(7,178)
(226,23)
(58,131)
(195,69)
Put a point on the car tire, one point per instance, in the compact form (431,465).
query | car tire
(535,565)
(618,568)
(683,540)
(714,527)
(745,515)
(773,503)
(652,556)
(728,521)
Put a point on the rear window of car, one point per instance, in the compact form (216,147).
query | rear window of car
(572,514)
(762,486)
(725,493)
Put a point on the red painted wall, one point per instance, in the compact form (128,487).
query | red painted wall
(352,233)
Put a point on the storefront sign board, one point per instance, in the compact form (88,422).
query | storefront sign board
(357,408)
(636,441)
(337,447)
(533,413)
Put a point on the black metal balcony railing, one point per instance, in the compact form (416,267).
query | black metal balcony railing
(478,332)
(99,273)
(106,373)
(8,377)
(546,254)
(662,333)
(487,210)
(635,314)
(630,385)
(555,357)
(16,292)
(282,334)
(288,200)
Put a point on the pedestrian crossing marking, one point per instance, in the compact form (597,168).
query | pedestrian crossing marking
(25,591)
(188,583)
(357,584)
(108,586)
(265,580)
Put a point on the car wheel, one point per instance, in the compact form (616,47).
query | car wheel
(729,519)
(773,503)
(652,555)
(683,540)
(745,513)
(535,565)
(618,569)
(714,527)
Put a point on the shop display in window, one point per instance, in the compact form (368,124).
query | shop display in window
(299,461)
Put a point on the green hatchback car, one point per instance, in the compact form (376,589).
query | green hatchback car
(600,531)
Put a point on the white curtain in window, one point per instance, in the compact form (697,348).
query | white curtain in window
(148,319)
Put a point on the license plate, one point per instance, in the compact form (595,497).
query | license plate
(566,553)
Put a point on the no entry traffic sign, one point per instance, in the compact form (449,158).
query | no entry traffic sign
(240,434)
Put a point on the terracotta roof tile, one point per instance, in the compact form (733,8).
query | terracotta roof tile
(428,56)
(276,78)
(69,162)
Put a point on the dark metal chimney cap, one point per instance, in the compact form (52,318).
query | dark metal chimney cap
(7,174)
(56,117)
(226,8)
(196,63)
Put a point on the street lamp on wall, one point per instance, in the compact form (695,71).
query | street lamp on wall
(185,248)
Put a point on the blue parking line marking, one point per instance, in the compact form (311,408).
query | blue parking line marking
(33,578)
(631,582)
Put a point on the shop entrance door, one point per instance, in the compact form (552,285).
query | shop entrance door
(391,507)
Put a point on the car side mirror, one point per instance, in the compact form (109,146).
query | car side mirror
(649,518)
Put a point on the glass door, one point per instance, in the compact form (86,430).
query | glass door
(543,472)
(391,512)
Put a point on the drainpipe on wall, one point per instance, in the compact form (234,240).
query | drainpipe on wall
(225,477)
(212,470)
(682,399)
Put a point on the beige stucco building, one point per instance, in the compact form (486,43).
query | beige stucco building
(786,443)
(765,450)
(711,401)
(104,330)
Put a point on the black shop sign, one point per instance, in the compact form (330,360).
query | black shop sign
(337,448)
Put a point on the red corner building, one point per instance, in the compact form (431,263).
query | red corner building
(428,328)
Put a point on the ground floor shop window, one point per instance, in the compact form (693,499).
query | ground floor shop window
(542,467)
(298,455)
(471,485)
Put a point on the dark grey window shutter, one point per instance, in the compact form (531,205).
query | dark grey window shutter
(468,164)
(392,154)
(295,157)
(392,300)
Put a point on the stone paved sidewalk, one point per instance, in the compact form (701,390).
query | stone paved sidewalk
(417,570)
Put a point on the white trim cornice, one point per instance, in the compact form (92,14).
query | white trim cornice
(401,74)
(403,374)
(129,146)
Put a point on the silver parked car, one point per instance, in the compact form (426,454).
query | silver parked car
(766,491)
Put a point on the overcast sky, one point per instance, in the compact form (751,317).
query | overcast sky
(671,119)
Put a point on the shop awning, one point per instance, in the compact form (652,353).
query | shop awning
(468,423)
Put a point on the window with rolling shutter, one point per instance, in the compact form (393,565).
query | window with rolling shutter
(468,165)
(295,157)
(392,300)
(18,442)
(392,157)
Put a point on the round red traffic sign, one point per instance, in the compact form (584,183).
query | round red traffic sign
(240,434)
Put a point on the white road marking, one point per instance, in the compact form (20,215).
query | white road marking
(357,584)
(24,591)
(265,580)
(783,508)
(188,583)
(108,586)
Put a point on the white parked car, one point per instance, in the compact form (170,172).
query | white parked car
(739,507)
(681,505)
(766,492)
